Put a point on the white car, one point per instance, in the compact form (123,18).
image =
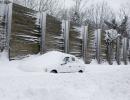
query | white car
(68,64)
(54,62)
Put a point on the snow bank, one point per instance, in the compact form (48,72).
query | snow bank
(99,82)
(4,57)
(92,85)
(40,62)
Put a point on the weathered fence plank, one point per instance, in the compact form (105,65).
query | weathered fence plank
(24,38)
(54,39)
(75,44)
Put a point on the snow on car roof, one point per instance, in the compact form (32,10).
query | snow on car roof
(54,56)
(42,61)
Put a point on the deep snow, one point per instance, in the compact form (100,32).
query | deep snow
(41,62)
(99,82)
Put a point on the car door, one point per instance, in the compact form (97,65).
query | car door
(66,66)
(74,64)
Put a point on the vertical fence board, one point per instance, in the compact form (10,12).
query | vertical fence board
(9,22)
(43,32)
(90,45)
(85,38)
(65,29)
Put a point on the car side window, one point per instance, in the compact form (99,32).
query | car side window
(67,59)
(73,59)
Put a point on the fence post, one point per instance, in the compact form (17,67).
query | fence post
(129,49)
(125,46)
(66,29)
(2,26)
(85,38)
(98,45)
(43,32)
(118,51)
(110,53)
(8,21)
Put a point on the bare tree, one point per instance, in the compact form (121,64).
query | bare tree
(96,14)
(122,30)
(77,12)
(50,6)
(99,12)
(125,11)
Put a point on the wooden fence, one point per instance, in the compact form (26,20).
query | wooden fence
(29,32)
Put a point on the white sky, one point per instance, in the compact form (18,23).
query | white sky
(115,4)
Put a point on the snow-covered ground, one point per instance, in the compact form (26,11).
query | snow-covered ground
(99,82)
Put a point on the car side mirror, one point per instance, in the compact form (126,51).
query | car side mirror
(64,63)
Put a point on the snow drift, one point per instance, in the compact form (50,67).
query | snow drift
(39,62)
(100,82)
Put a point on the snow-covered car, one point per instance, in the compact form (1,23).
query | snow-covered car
(68,64)
(55,62)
